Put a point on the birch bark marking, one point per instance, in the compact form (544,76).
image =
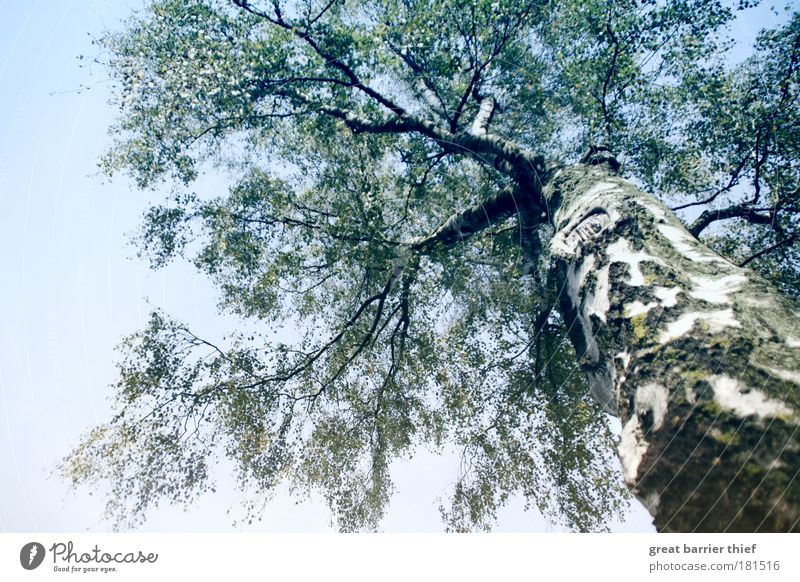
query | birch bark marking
(698,358)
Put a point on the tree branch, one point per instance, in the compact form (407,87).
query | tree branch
(734,179)
(422,84)
(736,211)
(359,123)
(480,125)
(321,12)
(312,357)
(769,249)
(328,58)
(504,155)
(607,81)
(464,98)
(462,225)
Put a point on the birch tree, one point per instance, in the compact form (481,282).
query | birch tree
(492,224)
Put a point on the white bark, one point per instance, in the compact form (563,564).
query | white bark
(480,125)
(697,357)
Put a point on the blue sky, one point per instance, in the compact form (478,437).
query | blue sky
(72,288)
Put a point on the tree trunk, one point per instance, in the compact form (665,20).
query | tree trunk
(699,358)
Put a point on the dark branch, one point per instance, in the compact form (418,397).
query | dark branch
(422,84)
(785,242)
(462,225)
(734,179)
(328,58)
(744,211)
(607,81)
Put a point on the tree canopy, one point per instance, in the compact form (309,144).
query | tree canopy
(382,156)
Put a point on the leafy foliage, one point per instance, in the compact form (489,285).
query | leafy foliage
(749,119)
(380,206)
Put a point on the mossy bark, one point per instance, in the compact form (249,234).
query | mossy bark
(699,358)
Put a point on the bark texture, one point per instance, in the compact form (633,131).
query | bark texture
(699,358)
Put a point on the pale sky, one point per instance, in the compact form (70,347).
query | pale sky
(73,287)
